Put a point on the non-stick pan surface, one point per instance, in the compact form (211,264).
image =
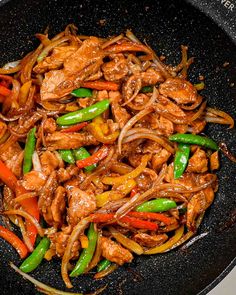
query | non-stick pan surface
(165,25)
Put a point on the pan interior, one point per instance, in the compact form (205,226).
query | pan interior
(165,25)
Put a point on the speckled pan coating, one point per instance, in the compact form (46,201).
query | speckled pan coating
(165,25)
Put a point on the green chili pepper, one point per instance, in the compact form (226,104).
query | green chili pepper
(102,265)
(29,150)
(146,89)
(67,156)
(157,205)
(194,139)
(81,154)
(87,253)
(181,159)
(82,92)
(36,257)
(86,114)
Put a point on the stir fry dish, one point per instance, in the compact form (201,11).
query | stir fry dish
(102,154)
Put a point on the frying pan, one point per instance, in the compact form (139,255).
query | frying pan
(165,25)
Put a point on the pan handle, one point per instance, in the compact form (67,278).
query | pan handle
(223,12)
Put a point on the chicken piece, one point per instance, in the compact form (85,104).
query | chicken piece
(141,99)
(161,125)
(115,252)
(13,158)
(60,240)
(159,159)
(46,197)
(75,182)
(81,204)
(198,162)
(151,147)
(135,159)
(171,107)
(151,77)
(130,147)
(95,76)
(85,102)
(144,181)
(180,128)
(214,161)
(120,114)
(78,66)
(102,94)
(132,87)
(196,205)
(115,69)
(149,241)
(58,140)
(166,127)
(49,162)
(59,205)
(26,122)
(50,125)
(33,181)
(209,191)
(182,91)
(112,127)
(187,179)
(66,174)
(8,198)
(55,60)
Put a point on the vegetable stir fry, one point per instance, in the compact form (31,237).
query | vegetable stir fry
(101,153)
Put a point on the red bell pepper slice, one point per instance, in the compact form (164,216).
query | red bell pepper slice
(94,158)
(101,85)
(131,221)
(74,128)
(11,238)
(30,205)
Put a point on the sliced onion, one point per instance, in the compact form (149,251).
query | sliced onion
(36,162)
(126,242)
(11,67)
(199,112)
(153,137)
(9,142)
(113,206)
(11,64)
(130,123)
(129,34)
(169,244)
(188,235)
(45,288)
(26,216)
(225,117)
(78,229)
(28,63)
(194,105)
(150,102)
(106,271)
(25,236)
(112,41)
(25,196)
(50,46)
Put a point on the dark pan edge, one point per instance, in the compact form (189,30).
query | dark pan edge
(219,279)
(224,18)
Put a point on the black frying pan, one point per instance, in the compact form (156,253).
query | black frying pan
(165,25)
